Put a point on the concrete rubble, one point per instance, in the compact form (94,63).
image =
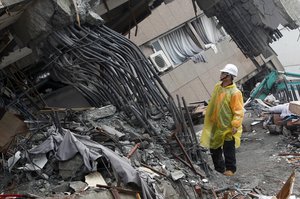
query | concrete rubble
(73,156)
(90,118)
(66,172)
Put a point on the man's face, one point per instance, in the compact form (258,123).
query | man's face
(223,76)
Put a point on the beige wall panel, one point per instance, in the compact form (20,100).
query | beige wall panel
(183,74)
(209,80)
(199,89)
(159,25)
(167,16)
(177,92)
(148,31)
(147,51)
(169,82)
(181,10)
(188,93)
(214,73)
(163,19)
(201,68)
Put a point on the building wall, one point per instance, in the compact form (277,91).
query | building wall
(196,81)
(164,18)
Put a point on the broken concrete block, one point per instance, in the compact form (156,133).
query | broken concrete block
(144,145)
(168,165)
(148,171)
(93,18)
(64,187)
(69,169)
(146,136)
(168,191)
(111,131)
(176,175)
(78,186)
(99,113)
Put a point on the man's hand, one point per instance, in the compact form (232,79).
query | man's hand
(234,130)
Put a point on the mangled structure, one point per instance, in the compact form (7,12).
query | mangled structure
(253,24)
(59,61)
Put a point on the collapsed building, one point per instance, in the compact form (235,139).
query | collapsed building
(79,100)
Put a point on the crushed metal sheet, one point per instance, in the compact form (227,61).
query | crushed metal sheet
(38,162)
(66,147)
(111,131)
(13,160)
(254,123)
(94,178)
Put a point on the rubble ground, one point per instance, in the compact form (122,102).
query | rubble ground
(259,165)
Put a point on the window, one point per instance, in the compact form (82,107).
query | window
(207,29)
(189,41)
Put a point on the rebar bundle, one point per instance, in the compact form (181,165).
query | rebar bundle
(106,67)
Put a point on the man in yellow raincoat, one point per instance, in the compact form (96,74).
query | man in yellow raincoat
(223,122)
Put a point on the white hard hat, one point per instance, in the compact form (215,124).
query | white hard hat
(231,69)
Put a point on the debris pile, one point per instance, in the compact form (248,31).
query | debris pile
(274,103)
(97,152)
(124,145)
(125,136)
(94,148)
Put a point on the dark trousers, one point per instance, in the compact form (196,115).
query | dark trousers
(229,154)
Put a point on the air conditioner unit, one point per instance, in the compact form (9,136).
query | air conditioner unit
(160,61)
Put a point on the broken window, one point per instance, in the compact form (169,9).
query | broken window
(181,45)
(189,41)
(207,29)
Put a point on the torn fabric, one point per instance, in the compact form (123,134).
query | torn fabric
(65,147)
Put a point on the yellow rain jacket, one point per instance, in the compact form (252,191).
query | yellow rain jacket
(225,110)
